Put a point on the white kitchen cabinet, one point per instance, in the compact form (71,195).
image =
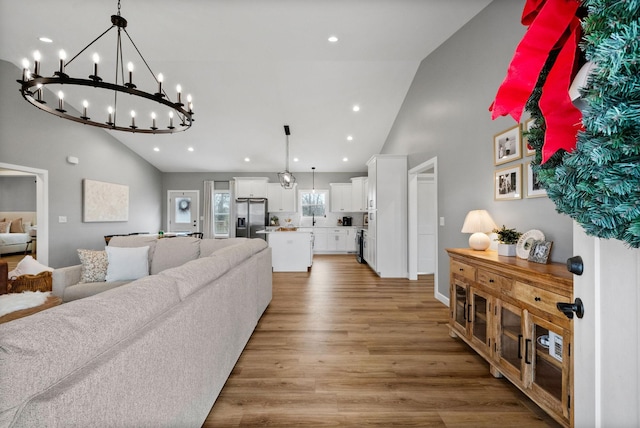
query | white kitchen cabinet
(387,231)
(281,199)
(320,240)
(337,240)
(352,239)
(340,197)
(291,251)
(359,194)
(251,187)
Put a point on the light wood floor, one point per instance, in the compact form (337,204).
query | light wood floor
(12,260)
(339,346)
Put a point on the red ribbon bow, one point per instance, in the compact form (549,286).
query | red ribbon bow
(553,24)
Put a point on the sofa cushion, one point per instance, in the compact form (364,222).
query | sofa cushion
(132,241)
(94,265)
(195,274)
(29,266)
(209,246)
(86,289)
(236,254)
(127,263)
(172,252)
(16,226)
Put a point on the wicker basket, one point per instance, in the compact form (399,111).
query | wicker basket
(39,282)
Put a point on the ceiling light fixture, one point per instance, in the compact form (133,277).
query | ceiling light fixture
(287,180)
(356,108)
(32,84)
(332,39)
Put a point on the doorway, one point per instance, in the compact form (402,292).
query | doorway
(42,208)
(423,212)
(184,211)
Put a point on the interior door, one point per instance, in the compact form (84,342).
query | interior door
(427,224)
(183,211)
(607,338)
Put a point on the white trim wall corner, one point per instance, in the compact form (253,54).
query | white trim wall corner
(430,166)
(42,208)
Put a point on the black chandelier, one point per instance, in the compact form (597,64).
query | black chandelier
(287,180)
(32,84)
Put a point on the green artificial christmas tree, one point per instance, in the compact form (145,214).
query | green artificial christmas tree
(598,183)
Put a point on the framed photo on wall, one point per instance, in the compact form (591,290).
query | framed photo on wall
(506,145)
(526,127)
(534,188)
(508,183)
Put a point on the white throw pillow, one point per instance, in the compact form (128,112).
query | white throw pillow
(127,264)
(29,266)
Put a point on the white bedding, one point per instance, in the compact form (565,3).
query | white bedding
(14,238)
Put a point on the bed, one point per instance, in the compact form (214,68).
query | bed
(16,241)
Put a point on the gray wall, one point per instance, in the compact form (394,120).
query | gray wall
(17,193)
(445,114)
(33,138)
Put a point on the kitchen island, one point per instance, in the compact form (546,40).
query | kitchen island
(292,249)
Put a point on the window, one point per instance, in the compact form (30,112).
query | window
(221,210)
(313,203)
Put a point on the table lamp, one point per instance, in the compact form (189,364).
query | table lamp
(478,223)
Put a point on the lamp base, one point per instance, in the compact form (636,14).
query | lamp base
(479,241)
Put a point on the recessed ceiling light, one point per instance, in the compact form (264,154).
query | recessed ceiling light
(45,39)
(349,138)
(345,159)
(296,159)
(190,149)
(356,108)
(156,149)
(333,39)
(247,159)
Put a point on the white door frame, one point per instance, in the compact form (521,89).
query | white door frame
(42,208)
(429,166)
(169,192)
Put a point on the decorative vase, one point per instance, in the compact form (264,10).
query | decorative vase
(507,250)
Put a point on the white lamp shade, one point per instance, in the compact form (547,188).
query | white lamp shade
(479,223)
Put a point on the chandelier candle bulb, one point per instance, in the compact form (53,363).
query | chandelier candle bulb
(153,121)
(63,56)
(110,120)
(36,63)
(61,102)
(85,105)
(130,68)
(179,90)
(133,120)
(96,61)
(171,120)
(39,93)
(160,79)
(189,103)
(25,70)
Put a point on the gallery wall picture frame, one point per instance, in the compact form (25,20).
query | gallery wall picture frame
(540,251)
(526,127)
(507,145)
(104,202)
(534,187)
(508,183)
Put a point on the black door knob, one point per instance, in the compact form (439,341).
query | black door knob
(575,265)
(569,308)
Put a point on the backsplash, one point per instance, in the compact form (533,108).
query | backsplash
(330,219)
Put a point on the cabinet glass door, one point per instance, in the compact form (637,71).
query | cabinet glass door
(480,329)
(547,361)
(510,338)
(460,304)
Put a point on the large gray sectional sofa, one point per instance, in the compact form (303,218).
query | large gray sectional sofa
(155,352)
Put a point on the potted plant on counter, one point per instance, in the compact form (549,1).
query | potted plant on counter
(507,240)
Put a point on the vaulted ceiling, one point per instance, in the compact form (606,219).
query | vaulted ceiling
(252,66)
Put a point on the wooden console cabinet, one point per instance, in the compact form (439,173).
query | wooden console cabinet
(505,309)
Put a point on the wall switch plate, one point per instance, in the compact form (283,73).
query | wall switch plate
(62,219)
(441,221)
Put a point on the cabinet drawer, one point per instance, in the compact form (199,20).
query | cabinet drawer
(493,280)
(463,269)
(537,297)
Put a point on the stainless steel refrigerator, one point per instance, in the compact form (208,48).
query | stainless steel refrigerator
(251,216)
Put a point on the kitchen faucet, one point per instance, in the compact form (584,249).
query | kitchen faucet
(313,219)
